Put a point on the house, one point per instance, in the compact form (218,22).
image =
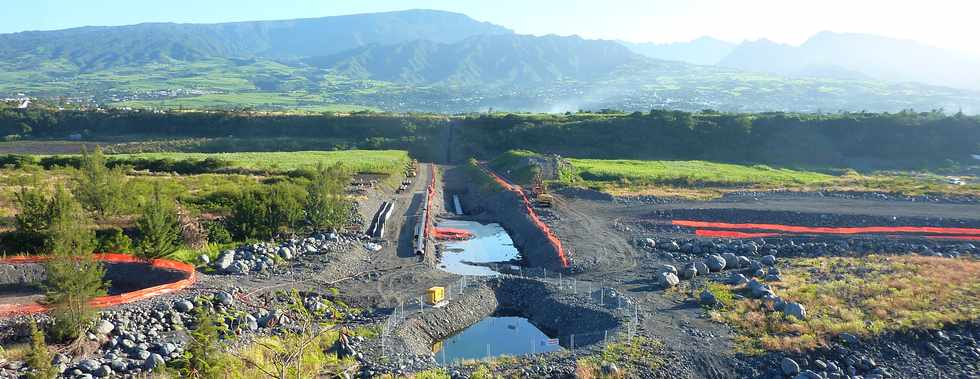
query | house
(25,104)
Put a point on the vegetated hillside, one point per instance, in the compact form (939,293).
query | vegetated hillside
(857,140)
(511,58)
(849,56)
(92,48)
(702,51)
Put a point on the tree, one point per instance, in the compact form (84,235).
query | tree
(39,357)
(159,228)
(74,277)
(285,207)
(326,206)
(34,217)
(100,189)
(113,240)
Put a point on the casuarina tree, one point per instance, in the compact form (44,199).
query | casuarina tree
(159,228)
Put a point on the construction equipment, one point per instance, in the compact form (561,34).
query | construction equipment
(436,295)
(540,193)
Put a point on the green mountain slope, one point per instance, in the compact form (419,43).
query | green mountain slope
(486,59)
(95,48)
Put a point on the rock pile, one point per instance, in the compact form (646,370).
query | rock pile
(261,257)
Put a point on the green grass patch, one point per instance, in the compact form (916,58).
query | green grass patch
(362,161)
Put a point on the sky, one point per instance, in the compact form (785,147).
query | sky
(944,23)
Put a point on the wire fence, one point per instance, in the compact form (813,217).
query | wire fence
(593,292)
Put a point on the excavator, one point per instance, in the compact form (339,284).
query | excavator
(539,190)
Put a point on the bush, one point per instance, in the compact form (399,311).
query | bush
(326,205)
(39,357)
(113,240)
(100,189)
(261,213)
(217,232)
(159,228)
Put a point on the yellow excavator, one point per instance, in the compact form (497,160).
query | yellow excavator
(539,190)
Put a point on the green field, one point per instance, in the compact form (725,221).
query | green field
(687,173)
(363,161)
(293,101)
(703,180)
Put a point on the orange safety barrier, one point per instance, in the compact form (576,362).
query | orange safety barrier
(552,238)
(8,310)
(731,234)
(430,193)
(452,234)
(828,230)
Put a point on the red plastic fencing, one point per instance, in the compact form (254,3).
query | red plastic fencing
(829,230)
(9,310)
(452,234)
(552,238)
(430,193)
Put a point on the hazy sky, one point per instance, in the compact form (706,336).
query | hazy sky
(945,23)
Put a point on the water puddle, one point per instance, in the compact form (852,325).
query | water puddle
(492,337)
(490,244)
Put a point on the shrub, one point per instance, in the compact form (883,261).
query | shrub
(33,219)
(113,240)
(39,357)
(101,190)
(159,228)
(326,206)
(262,213)
(217,232)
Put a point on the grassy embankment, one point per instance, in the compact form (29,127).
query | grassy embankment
(865,297)
(701,180)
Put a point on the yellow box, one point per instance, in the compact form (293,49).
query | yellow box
(436,295)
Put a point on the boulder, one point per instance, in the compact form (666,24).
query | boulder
(731,260)
(103,328)
(667,279)
(224,298)
(744,261)
(707,298)
(737,279)
(689,272)
(715,263)
(184,306)
(89,365)
(795,309)
(154,361)
(225,260)
(769,260)
(789,367)
(701,267)
(670,269)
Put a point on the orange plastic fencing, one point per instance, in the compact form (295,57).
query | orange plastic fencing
(452,234)
(552,238)
(430,193)
(829,230)
(9,310)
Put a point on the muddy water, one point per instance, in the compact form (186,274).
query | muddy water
(494,336)
(490,244)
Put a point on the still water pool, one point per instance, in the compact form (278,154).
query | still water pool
(490,244)
(495,336)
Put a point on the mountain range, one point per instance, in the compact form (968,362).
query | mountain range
(425,60)
(830,55)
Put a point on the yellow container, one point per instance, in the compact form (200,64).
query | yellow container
(436,295)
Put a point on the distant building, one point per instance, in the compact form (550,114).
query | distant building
(25,104)
(75,137)
(976,156)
